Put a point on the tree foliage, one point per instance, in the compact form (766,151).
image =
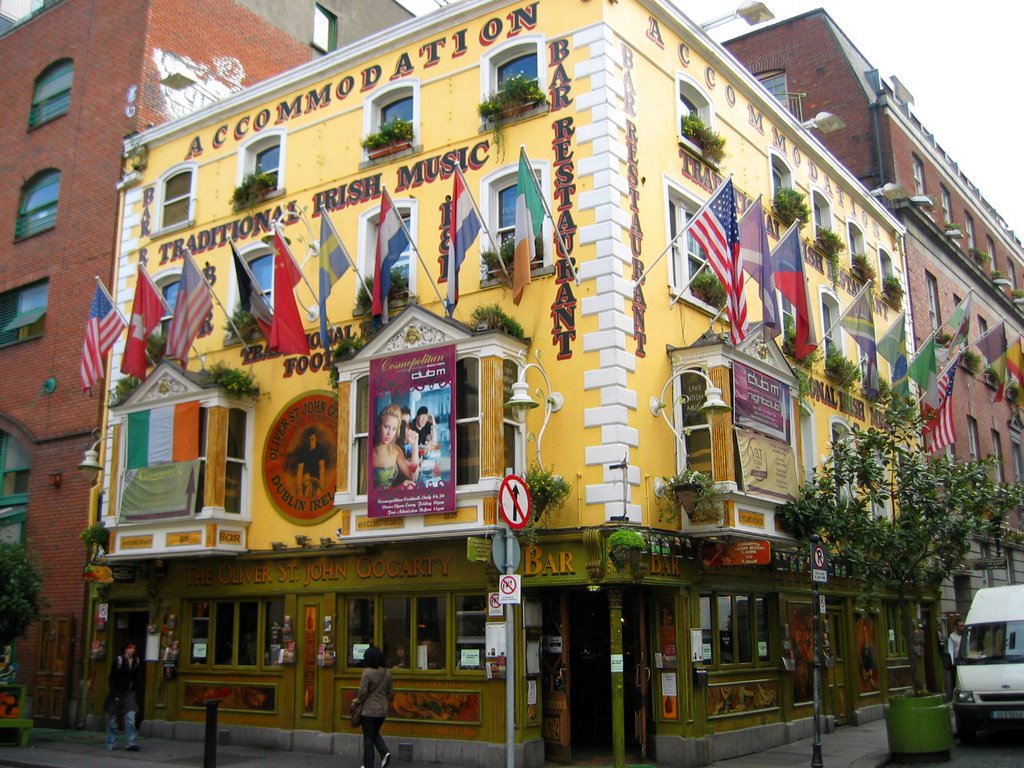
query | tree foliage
(903,521)
(20,599)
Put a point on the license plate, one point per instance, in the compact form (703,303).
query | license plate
(1008,715)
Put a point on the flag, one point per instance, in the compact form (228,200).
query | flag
(1015,361)
(757,263)
(715,228)
(286,332)
(190,311)
(391,244)
(893,347)
(960,322)
(858,323)
(923,369)
(529,220)
(250,294)
(464,227)
(334,262)
(993,348)
(788,267)
(101,331)
(148,308)
(163,434)
(940,431)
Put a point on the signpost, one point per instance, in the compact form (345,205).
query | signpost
(819,575)
(515,506)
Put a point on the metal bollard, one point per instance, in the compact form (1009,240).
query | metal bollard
(210,750)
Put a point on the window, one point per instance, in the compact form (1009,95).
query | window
(1011,274)
(325,29)
(499,211)
(918,175)
(691,100)
(947,206)
(235,473)
(260,259)
(931,286)
(972,438)
(265,154)
(520,57)
(1018,461)
(399,101)
(782,175)
(470,629)
(37,211)
(694,423)
(830,312)
(15,464)
(52,95)
(822,210)
(688,255)
(169,288)
(885,267)
(855,238)
(403,273)
(972,241)
(176,198)
(734,629)
(997,454)
(23,313)
(982,325)
(240,633)
(990,246)
(511,437)
(524,66)
(775,82)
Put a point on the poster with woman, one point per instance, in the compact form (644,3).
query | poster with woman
(412,443)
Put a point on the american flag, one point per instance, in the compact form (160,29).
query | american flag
(190,310)
(940,430)
(715,228)
(101,331)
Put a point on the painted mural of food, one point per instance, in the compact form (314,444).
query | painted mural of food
(440,706)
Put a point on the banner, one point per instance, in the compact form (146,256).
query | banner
(768,466)
(412,446)
(760,402)
(160,492)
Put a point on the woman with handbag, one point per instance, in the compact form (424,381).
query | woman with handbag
(376,690)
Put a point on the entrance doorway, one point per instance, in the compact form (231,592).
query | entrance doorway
(129,626)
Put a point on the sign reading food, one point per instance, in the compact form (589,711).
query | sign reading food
(300,458)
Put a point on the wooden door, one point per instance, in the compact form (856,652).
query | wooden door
(641,672)
(555,679)
(53,671)
(834,653)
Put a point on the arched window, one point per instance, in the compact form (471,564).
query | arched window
(782,174)
(830,312)
(521,57)
(822,210)
(500,190)
(855,239)
(404,272)
(692,100)
(38,209)
(176,198)
(52,95)
(399,101)
(265,155)
(169,289)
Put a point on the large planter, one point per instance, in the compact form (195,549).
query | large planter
(919,728)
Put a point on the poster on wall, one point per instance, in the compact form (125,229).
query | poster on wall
(412,410)
(761,402)
(768,466)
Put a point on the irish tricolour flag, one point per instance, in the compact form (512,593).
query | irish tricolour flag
(165,434)
(162,464)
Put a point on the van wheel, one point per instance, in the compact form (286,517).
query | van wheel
(966,734)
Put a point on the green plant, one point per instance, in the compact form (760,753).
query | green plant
(625,547)
(124,388)
(1017,293)
(395,131)
(843,371)
(244,323)
(254,189)
(809,360)
(970,361)
(995,274)
(862,264)
(515,95)
(884,388)
(20,599)
(830,244)
(942,338)
(494,317)
(238,382)
(893,290)
(980,257)
(506,251)
(788,206)
(712,145)
(940,505)
(709,289)
(95,537)
(399,290)
(548,491)
(692,491)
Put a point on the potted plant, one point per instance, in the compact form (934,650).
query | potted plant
(245,324)
(1018,296)
(397,293)
(970,361)
(515,96)
(710,144)
(124,388)
(709,289)
(548,491)
(999,279)
(831,245)
(843,371)
(393,136)
(789,346)
(892,289)
(96,537)
(500,266)
(952,229)
(942,337)
(626,548)
(492,316)
(941,505)
(863,267)
(788,206)
(255,188)
(694,493)
(235,381)
(980,257)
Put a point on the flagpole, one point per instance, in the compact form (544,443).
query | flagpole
(490,239)
(547,210)
(234,328)
(689,282)
(416,250)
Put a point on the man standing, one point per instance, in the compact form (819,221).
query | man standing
(124,681)
(953,651)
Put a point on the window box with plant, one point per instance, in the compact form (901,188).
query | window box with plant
(830,245)
(710,144)
(862,267)
(245,327)
(843,371)
(952,229)
(708,288)
(493,317)
(942,338)
(970,361)
(980,257)
(494,273)
(398,294)
(626,548)
(695,494)
(392,137)
(788,205)
(892,289)
(254,189)
(515,97)
(1018,296)
(234,381)
(999,279)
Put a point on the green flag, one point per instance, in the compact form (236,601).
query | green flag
(893,348)
(922,369)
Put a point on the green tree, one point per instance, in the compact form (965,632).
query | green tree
(20,601)
(938,505)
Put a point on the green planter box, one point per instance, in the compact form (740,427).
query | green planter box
(919,728)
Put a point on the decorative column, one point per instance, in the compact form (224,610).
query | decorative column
(618,706)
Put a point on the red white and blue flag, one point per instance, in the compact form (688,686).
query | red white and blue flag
(788,269)
(101,331)
(757,262)
(940,431)
(392,241)
(715,228)
(191,309)
(463,231)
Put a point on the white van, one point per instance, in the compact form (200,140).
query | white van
(990,666)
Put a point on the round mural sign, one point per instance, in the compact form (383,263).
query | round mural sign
(300,459)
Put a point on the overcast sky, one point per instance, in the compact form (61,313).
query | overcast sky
(957,60)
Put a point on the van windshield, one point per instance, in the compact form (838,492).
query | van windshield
(1000,642)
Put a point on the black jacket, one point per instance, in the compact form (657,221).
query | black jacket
(124,675)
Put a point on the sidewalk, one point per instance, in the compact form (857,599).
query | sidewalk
(846,747)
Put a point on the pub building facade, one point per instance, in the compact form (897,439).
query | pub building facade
(262,538)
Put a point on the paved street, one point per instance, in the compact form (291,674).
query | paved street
(993,750)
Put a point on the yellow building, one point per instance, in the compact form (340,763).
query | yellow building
(294,547)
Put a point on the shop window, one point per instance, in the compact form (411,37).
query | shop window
(37,211)
(361,628)
(895,636)
(395,626)
(431,635)
(734,629)
(239,633)
(23,313)
(470,631)
(52,95)
(176,191)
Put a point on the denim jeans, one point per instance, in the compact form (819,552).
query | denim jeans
(371,739)
(127,705)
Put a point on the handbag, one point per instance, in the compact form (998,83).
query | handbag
(356,715)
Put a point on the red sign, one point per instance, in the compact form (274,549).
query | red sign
(514,502)
(738,553)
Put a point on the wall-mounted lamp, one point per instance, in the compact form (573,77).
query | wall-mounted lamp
(751,12)
(55,479)
(890,191)
(302,541)
(520,402)
(326,542)
(90,465)
(825,122)
(713,402)
(277,546)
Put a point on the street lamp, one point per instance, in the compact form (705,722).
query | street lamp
(713,402)
(91,465)
(751,12)
(825,122)
(521,403)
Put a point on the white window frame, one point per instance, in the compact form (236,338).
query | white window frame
(827,297)
(367,242)
(249,151)
(500,55)
(947,205)
(973,441)
(490,208)
(776,160)
(249,254)
(686,85)
(855,239)
(1018,459)
(972,241)
(160,202)
(821,201)
(997,454)
(387,95)
(679,272)
(885,265)
(808,441)
(163,280)
(918,166)
(931,287)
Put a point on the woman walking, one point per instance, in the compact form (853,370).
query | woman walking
(376,690)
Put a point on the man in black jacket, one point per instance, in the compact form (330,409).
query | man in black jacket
(124,681)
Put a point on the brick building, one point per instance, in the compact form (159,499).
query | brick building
(78,76)
(956,245)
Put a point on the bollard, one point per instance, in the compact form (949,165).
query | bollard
(210,750)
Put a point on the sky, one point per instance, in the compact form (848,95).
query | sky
(945,56)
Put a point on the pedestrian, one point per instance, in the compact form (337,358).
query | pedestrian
(953,642)
(124,681)
(376,690)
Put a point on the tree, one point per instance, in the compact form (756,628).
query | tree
(902,520)
(20,601)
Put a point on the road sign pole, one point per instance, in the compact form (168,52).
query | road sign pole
(817,563)
(510,659)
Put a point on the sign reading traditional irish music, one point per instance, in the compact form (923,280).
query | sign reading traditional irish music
(761,402)
(300,458)
(412,443)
